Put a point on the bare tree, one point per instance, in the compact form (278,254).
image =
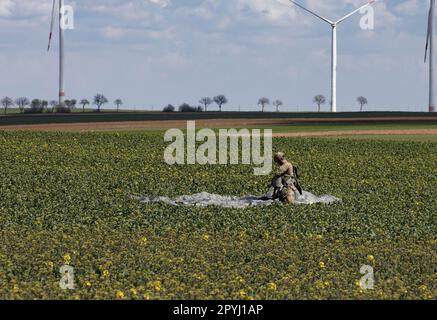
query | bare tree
(263,102)
(22,103)
(319,100)
(278,104)
(362,101)
(206,101)
(99,101)
(119,103)
(6,103)
(83,103)
(220,100)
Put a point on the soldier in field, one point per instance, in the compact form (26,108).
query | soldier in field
(285,181)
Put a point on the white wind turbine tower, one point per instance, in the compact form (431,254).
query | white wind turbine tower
(61,48)
(430,44)
(333,25)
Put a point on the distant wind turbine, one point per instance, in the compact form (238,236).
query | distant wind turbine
(333,25)
(61,48)
(430,45)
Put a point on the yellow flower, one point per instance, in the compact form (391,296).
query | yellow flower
(205,237)
(322,265)
(88,283)
(105,273)
(143,240)
(157,285)
(272,286)
(50,264)
(242,293)
(119,295)
(146,296)
(67,258)
(134,292)
(319,284)
(370,258)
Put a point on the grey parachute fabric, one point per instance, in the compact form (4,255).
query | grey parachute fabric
(309,198)
(207,199)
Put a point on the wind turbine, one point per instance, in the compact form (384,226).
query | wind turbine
(333,25)
(430,44)
(61,48)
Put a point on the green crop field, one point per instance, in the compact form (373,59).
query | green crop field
(65,199)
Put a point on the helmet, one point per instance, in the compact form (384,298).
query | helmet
(280,156)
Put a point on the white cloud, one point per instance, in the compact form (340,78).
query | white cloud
(124,10)
(6,7)
(278,11)
(408,7)
(161,3)
(18,8)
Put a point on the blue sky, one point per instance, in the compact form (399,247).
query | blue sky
(154,52)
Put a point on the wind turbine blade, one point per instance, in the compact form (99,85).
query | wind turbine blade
(428,35)
(313,13)
(355,11)
(52,22)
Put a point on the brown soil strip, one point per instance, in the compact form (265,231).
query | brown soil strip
(134,125)
(356,133)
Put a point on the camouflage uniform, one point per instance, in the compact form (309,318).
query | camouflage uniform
(285,172)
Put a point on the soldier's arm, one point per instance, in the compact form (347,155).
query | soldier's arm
(281,171)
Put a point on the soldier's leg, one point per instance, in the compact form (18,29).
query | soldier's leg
(291,195)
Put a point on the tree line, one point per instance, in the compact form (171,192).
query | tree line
(319,100)
(263,102)
(40,106)
(204,103)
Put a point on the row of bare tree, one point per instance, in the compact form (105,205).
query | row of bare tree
(220,100)
(320,100)
(38,105)
(264,102)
